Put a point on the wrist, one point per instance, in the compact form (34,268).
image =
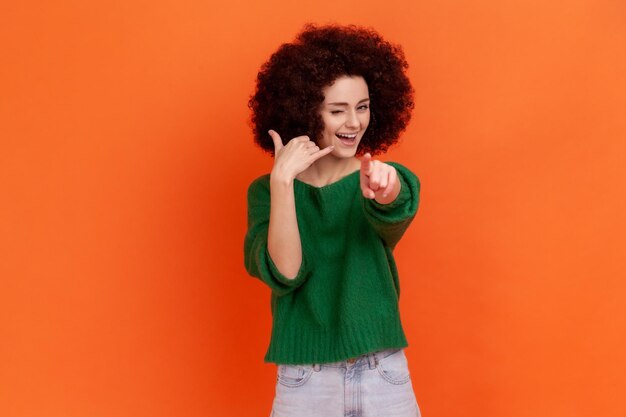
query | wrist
(279,179)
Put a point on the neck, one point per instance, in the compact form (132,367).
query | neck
(329,169)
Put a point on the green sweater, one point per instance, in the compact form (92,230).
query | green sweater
(344,300)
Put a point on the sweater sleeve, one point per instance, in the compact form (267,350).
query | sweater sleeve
(391,220)
(257,259)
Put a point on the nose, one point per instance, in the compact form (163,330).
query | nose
(353,120)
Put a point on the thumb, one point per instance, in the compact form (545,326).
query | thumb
(278,142)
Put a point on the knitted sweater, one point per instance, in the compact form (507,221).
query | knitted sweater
(344,300)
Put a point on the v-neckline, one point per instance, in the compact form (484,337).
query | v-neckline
(345,177)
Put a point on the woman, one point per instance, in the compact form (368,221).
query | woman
(323,224)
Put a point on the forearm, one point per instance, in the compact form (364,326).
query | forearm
(283,241)
(391,219)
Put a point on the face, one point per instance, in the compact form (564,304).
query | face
(346,115)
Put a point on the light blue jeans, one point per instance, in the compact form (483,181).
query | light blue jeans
(375,385)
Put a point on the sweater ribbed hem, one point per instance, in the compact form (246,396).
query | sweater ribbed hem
(303,346)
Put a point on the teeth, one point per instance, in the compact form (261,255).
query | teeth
(347,136)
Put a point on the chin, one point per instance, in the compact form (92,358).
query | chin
(343,153)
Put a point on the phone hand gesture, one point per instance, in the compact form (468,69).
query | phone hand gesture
(296,156)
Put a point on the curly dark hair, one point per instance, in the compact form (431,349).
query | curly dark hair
(289,85)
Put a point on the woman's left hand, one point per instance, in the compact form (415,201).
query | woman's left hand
(378,180)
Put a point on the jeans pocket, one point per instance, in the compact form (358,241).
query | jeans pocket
(294,375)
(394,368)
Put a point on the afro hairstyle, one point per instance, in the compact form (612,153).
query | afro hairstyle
(289,86)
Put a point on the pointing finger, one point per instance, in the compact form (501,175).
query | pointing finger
(366,170)
(366,164)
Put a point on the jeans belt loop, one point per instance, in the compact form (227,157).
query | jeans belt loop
(372,360)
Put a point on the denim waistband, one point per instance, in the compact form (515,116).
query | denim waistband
(369,359)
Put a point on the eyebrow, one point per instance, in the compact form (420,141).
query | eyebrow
(345,104)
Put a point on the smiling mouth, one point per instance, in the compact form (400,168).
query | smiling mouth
(347,136)
(347,139)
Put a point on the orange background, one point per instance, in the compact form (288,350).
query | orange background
(124,161)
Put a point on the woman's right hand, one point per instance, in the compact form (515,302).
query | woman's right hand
(294,157)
